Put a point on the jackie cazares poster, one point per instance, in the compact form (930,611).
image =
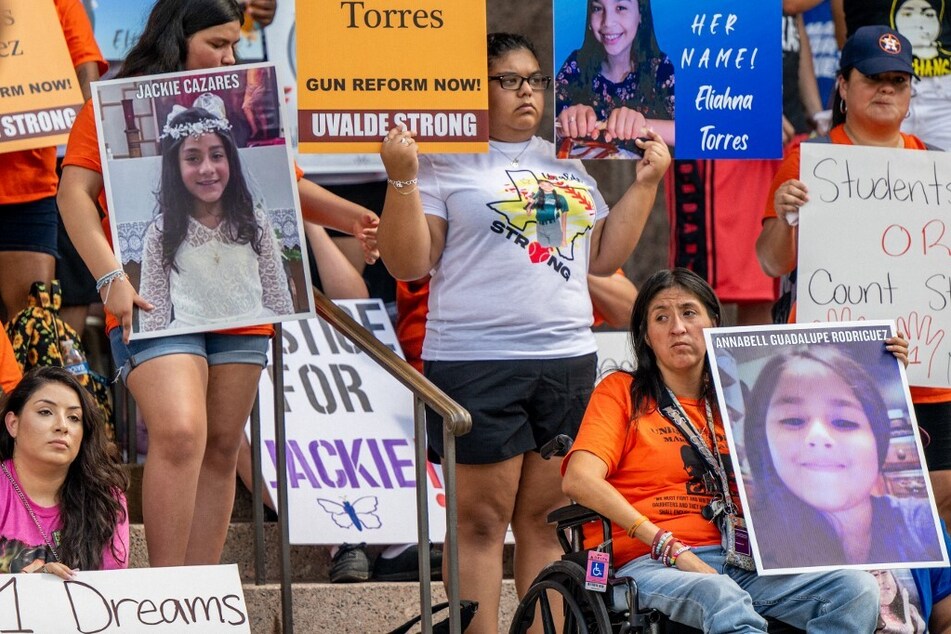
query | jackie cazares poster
(824,439)
(203,199)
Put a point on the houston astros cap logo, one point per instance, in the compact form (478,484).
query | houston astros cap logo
(890,44)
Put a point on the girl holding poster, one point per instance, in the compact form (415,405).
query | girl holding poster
(194,391)
(619,81)
(211,254)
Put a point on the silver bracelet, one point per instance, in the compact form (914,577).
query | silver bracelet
(109,278)
(398,184)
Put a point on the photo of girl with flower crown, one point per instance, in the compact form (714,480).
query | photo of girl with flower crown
(207,222)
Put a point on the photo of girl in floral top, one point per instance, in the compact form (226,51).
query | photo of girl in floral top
(616,84)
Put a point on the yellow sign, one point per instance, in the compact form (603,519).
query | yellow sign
(365,66)
(39,92)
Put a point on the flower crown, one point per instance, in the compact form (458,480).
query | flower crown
(195,129)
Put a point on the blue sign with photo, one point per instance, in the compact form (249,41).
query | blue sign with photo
(728,63)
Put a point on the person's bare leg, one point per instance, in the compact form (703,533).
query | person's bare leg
(231,391)
(170,393)
(486,497)
(246,472)
(75,316)
(18,271)
(536,544)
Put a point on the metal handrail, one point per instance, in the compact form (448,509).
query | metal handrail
(456,422)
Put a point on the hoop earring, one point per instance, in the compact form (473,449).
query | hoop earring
(843,107)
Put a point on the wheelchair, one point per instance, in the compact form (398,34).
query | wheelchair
(583,611)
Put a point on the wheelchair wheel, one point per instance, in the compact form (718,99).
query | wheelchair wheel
(583,610)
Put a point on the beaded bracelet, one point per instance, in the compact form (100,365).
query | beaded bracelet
(668,549)
(636,525)
(672,562)
(660,540)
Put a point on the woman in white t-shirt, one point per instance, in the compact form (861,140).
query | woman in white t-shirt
(508,330)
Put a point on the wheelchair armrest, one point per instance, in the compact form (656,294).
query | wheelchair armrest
(557,446)
(572,515)
(568,521)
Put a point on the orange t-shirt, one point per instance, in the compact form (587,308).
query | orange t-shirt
(30,175)
(10,373)
(790,169)
(83,151)
(651,464)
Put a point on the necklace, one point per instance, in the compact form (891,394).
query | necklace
(514,161)
(29,509)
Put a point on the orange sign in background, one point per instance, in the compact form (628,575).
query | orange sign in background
(39,92)
(365,66)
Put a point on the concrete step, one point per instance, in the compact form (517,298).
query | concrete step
(351,608)
(309,564)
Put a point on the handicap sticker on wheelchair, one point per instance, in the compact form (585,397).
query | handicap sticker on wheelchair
(596,576)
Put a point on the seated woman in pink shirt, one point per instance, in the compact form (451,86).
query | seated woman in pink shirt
(62,506)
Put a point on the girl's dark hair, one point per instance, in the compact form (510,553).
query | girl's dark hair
(89,502)
(648,382)
(163,45)
(499,44)
(779,508)
(175,203)
(591,55)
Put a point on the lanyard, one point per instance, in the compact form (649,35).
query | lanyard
(671,409)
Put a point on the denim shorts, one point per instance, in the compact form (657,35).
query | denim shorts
(29,226)
(215,347)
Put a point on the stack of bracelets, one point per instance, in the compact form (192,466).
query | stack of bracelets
(662,548)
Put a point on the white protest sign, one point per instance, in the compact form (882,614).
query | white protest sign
(205,599)
(349,424)
(874,244)
(613,353)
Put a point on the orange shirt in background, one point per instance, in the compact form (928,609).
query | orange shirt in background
(30,175)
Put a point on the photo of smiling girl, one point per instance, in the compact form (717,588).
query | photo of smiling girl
(618,82)
(210,256)
(816,434)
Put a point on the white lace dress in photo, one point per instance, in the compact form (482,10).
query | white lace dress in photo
(217,281)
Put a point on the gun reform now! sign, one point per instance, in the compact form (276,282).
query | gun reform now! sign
(366,67)
(39,92)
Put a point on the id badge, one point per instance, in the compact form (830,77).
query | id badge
(741,539)
(736,542)
(596,572)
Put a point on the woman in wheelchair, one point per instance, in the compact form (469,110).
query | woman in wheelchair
(678,529)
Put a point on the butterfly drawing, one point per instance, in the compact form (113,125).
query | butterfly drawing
(359,514)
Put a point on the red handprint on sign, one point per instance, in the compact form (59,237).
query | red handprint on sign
(923,339)
(845,314)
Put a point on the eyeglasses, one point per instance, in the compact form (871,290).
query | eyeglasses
(511,81)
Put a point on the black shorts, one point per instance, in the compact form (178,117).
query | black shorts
(935,419)
(77,283)
(516,406)
(29,226)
